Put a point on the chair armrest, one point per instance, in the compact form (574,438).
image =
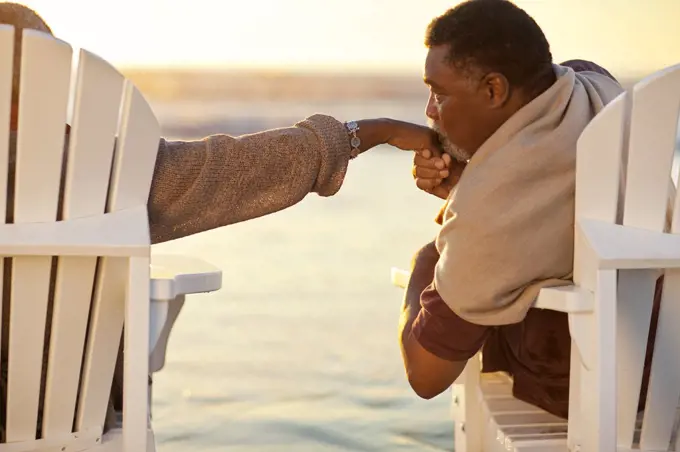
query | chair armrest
(569,299)
(172,278)
(399,277)
(175,275)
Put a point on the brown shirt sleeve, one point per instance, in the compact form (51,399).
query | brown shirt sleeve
(441,332)
(221,180)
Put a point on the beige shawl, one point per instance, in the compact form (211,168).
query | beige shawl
(508,226)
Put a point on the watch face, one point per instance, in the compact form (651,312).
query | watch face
(355,142)
(352,126)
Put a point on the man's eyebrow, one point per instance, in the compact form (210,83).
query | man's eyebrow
(432,83)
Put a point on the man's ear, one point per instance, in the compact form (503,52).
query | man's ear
(496,89)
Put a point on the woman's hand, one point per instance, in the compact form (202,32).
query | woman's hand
(400,134)
(412,137)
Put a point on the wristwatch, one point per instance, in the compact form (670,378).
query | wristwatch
(355,141)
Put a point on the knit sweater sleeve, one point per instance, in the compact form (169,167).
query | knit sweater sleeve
(221,180)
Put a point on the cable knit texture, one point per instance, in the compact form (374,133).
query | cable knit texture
(221,180)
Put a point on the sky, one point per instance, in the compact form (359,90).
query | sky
(625,36)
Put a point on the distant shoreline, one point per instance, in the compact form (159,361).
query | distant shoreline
(174,84)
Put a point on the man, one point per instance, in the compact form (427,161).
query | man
(509,120)
(221,180)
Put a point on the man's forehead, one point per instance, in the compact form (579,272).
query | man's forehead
(438,70)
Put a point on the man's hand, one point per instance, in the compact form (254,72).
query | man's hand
(436,172)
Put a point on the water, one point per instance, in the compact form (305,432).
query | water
(299,350)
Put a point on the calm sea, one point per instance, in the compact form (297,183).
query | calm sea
(298,351)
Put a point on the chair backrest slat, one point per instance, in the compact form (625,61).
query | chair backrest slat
(134,163)
(598,169)
(6,60)
(653,126)
(133,169)
(43,102)
(98,94)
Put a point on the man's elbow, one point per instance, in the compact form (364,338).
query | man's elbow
(426,389)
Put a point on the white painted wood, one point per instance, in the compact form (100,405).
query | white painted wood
(654,121)
(106,326)
(544,446)
(634,309)
(135,156)
(90,441)
(121,233)
(510,405)
(175,275)
(576,404)
(598,164)
(95,119)
(569,299)
(564,299)
(469,432)
(113,442)
(66,442)
(172,278)
(621,247)
(26,336)
(509,422)
(664,382)
(6,61)
(45,78)
(599,157)
(99,89)
(599,383)
(136,365)
(399,277)
(160,330)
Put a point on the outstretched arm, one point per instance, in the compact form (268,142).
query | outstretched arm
(221,180)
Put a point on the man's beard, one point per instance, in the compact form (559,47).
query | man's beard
(454,151)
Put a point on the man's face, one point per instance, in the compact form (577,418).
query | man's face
(457,108)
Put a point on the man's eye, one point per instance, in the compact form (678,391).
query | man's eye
(438,97)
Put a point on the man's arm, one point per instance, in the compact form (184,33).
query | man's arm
(435,342)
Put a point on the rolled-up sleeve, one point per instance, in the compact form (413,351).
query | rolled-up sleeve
(443,333)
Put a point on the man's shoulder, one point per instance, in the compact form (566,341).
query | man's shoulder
(587,66)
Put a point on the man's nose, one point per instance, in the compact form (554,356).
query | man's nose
(431,109)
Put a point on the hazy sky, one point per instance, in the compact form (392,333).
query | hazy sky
(623,35)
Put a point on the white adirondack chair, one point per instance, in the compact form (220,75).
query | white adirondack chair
(100,250)
(624,194)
